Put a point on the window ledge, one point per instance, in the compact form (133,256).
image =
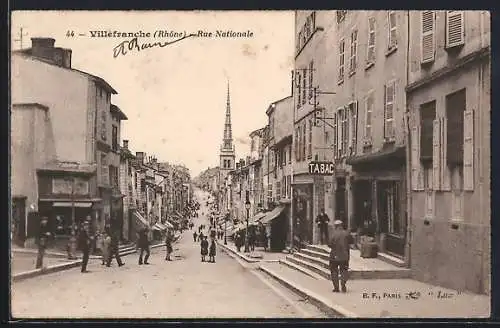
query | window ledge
(427,63)
(391,50)
(369,65)
(455,47)
(339,82)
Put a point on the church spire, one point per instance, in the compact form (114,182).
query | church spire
(227,142)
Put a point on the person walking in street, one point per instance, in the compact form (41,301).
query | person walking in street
(322,221)
(194,236)
(168,244)
(85,244)
(43,240)
(143,245)
(200,236)
(204,248)
(106,242)
(339,256)
(212,251)
(114,251)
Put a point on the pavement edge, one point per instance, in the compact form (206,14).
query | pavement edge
(246,258)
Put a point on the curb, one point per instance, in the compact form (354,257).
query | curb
(246,258)
(52,269)
(322,303)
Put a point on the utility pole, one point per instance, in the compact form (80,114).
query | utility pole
(21,35)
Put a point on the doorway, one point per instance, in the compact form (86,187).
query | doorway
(18,224)
(362,190)
(341,201)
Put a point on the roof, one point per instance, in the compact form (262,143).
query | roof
(117,111)
(272,106)
(34,104)
(97,79)
(257,132)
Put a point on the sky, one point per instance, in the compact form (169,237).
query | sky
(175,96)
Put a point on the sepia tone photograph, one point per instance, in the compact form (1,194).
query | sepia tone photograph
(318,164)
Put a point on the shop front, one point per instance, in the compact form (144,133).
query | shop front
(302,209)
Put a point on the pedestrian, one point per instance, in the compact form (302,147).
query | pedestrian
(339,256)
(43,240)
(237,241)
(143,245)
(322,221)
(212,251)
(114,250)
(106,242)
(204,248)
(85,244)
(194,236)
(200,236)
(168,244)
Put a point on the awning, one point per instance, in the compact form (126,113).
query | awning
(168,225)
(273,214)
(257,217)
(141,219)
(394,153)
(159,227)
(70,204)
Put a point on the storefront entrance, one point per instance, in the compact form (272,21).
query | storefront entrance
(362,196)
(303,214)
(391,219)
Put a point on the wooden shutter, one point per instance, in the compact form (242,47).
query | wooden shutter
(335,136)
(454,28)
(436,155)
(445,176)
(354,126)
(371,40)
(428,36)
(469,150)
(415,159)
(339,131)
(350,131)
(393,34)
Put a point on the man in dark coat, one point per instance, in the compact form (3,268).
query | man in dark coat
(168,244)
(85,244)
(43,239)
(114,250)
(339,256)
(143,245)
(322,221)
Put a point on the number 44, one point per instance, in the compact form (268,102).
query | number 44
(70,33)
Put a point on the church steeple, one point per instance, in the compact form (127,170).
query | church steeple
(227,154)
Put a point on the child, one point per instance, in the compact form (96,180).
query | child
(212,251)
(106,242)
(204,248)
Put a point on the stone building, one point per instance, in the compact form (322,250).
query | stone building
(449,117)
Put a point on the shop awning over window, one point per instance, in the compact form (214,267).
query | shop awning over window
(141,219)
(159,227)
(257,217)
(272,215)
(69,204)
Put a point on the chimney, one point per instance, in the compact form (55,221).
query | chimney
(125,144)
(140,156)
(43,48)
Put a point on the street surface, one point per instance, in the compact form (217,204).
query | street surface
(183,288)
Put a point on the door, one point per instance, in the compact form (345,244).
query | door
(362,202)
(278,233)
(341,201)
(18,224)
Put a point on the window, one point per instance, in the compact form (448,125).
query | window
(104,117)
(393,34)
(341,60)
(100,92)
(304,86)
(370,56)
(278,190)
(427,37)
(455,35)
(354,52)
(299,91)
(297,142)
(455,109)
(311,79)
(370,100)
(304,138)
(327,138)
(390,92)
(270,193)
(341,15)
(427,117)
(353,110)
(115,138)
(309,144)
(289,154)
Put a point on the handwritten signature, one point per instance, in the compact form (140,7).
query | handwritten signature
(130,45)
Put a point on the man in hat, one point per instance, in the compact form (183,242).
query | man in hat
(339,256)
(322,221)
(85,243)
(43,239)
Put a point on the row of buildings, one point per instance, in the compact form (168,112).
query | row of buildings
(67,159)
(399,102)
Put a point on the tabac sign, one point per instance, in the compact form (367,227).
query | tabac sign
(321,168)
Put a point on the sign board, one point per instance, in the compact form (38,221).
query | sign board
(321,168)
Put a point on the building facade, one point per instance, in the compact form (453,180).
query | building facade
(449,119)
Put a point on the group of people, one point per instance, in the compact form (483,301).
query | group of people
(143,243)
(207,249)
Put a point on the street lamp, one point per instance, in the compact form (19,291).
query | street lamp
(247,207)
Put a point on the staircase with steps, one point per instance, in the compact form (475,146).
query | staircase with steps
(314,262)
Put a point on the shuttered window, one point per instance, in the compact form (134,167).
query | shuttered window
(304,86)
(299,90)
(393,32)
(436,163)
(354,127)
(454,28)
(309,144)
(341,60)
(417,178)
(354,51)
(428,36)
(455,108)
(311,79)
(427,116)
(345,131)
(335,136)
(370,56)
(469,150)
(390,92)
(370,100)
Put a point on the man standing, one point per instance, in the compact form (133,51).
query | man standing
(85,245)
(43,239)
(143,245)
(322,221)
(114,250)
(339,256)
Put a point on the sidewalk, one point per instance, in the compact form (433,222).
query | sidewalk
(382,298)
(259,255)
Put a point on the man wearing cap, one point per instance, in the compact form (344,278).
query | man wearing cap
(322,221)
(85,245)
(339,256)
(43,239)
